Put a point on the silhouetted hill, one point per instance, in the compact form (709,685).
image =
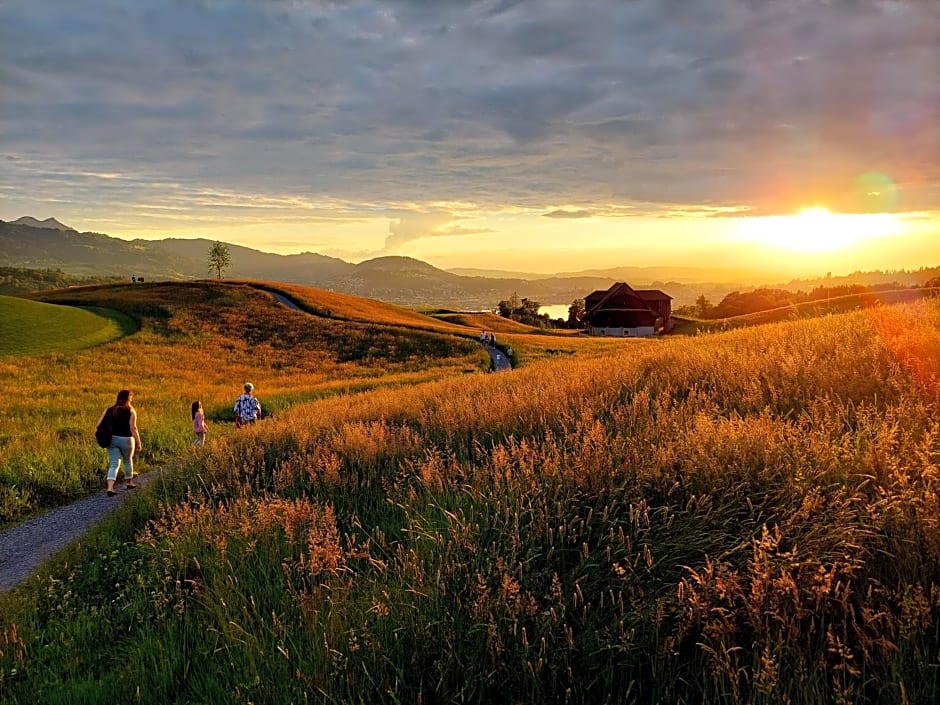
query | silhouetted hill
(48,244)
(304,268)
(48,223)
(497,273)
(400,280)
(407,281)
(87,253)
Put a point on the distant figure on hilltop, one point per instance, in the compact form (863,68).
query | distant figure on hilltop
(247,407)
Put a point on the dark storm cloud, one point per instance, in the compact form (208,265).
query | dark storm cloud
(531,103)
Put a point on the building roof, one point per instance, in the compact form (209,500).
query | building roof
(620,304)
(653,295)
(604,297)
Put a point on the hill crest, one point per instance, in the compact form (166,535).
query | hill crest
(47,224)
(405,281)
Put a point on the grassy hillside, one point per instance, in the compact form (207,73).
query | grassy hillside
(33,328)
(747,517)
(18,281)
(195,341)
(336,305)
(493,323)
(808,309)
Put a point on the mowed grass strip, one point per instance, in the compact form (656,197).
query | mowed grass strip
(34,328)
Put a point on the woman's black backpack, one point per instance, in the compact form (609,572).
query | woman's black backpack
(103,432)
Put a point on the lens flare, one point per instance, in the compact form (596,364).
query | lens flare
(876,192)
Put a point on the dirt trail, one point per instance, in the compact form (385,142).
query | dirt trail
(500,361)
(25,547)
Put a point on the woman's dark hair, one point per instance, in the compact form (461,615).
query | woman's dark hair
(124,398)
(195,407)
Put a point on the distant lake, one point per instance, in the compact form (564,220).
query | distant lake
(556,311)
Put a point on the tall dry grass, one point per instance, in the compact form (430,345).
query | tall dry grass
(196,341)
(741,518)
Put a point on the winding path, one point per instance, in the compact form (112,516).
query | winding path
(500,361)
(25,547)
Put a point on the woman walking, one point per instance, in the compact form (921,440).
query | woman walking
(125,439)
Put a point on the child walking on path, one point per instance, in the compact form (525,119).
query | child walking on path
(199,424)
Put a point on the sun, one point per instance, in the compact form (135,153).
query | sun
(817,230)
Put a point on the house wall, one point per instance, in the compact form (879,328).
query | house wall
(639,332)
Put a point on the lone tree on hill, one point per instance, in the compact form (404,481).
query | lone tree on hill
(219,259)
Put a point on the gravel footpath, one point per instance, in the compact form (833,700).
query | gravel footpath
(26,546)
(500,361)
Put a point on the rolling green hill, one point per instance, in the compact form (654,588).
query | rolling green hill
(35,328)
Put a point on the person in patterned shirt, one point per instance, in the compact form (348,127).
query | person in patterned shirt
(247,407)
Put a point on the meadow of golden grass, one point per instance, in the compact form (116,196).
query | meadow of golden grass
(197,341)
(493,323)
(748,517)
(332,304)
(807,309)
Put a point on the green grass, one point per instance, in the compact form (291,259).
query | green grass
(747,518)
(198,340)
(34,328)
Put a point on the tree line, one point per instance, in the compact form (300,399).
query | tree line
(739,303)
(526,311)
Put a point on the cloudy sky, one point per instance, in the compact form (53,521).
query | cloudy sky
(536,135)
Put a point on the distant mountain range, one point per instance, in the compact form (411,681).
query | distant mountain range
(48,223)
(49,244)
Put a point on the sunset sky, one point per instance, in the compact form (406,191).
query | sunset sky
(797,136)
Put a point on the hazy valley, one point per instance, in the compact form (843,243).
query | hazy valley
(399,280)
